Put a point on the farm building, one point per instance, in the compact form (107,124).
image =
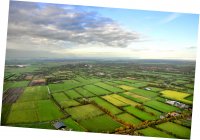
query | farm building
(147,89)
(177,104)
(59,125)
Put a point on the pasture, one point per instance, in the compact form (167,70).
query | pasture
(129,119)
(176,129)
(102,123)
(161,106)
(84,112)
(34,93)
(96,90)
(149,131)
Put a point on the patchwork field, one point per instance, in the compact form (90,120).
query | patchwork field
(122,97)
(106,105)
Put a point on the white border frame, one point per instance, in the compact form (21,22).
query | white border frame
(183,6)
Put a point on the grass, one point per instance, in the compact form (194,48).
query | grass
(152,111)
(189,85)
(72,94)
(129,119)
(161,106)
(70,123)
(139,113)
(34,93)
(109,87)
(66,85)
(190,97)
(84,112)
(96,90)
(141,84)
(15,84)
(35,111)
(84,92)
(69,103)
(106,105)
(59,97)
(47,111)
(144,93)
(149,131)
(5,112)
(175,95)
(22,116)
(102,123)
(178,130)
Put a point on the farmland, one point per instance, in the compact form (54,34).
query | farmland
(101,96)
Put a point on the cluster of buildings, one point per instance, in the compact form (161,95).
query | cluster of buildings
(177,104)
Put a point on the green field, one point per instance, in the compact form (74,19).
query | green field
(34,93)
(149,131)
(190,98)
(59,97)
(15,84)
(177,130)
(66,85)
(161,106)
(96,90)
(84,112)
(139,113)
(102,123)
(72,94)
(106,105)
(129,119)
(70,123)
(68,103)
(84,93)
(35,111)
(144,93)
(109,87)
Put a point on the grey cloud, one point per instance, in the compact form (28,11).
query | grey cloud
(53,22)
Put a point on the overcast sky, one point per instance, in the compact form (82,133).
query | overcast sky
(59,31)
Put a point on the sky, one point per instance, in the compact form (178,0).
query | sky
(39,30)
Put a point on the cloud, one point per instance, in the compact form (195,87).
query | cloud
(170,18)
(47,27)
